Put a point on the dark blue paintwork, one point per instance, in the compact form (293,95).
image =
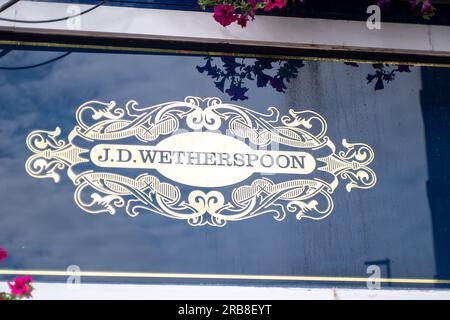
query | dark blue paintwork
(402,224)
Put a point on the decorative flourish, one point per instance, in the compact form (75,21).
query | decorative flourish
(234,72)
(51,155)
(3,254)
(307,197)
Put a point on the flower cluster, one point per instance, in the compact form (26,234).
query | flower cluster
(240,11)
(20,288)
(427,10)
(3,254)
(227,12)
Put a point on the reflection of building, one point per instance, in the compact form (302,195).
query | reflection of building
(436,113)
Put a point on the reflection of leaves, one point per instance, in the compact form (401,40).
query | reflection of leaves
(237,92)
(230,74)
(234,73)
(383,73)
(353,64)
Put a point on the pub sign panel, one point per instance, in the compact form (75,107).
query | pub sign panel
(184,168)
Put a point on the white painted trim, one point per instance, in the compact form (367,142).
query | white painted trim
(264,31)
(189,292)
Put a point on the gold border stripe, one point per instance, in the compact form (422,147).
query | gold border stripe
(216,276)
(216,53)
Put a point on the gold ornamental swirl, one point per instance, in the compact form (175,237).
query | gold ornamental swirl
(106,192)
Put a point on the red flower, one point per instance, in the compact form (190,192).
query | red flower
(270,4)
(253,7)
(242,20)
(224,14)
(20,286)
(427,8)
(414,3)
(384,4)
(3,254)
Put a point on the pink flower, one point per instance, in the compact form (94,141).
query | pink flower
(3,254)
(427,8)
(252,11)
(414,3)
(242,20)
(270,4)
(384,4)
(224,14)
(20,286)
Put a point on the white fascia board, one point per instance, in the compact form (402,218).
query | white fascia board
(200,27)
(62,291)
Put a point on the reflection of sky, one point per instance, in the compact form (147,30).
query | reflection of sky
(43,228)
(392,220)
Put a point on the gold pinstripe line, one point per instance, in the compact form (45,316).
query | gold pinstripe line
(215,53)
(217,276)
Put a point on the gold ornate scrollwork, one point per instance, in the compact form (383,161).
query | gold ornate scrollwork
(50,154)
(106,192)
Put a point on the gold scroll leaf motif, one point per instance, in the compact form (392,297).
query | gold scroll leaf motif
(105,192)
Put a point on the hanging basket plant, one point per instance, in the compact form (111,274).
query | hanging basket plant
(426,8)
(227,12)
(20,288)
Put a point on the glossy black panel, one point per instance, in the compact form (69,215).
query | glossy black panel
(400,224)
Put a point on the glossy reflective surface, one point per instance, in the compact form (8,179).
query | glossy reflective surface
(401,224)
